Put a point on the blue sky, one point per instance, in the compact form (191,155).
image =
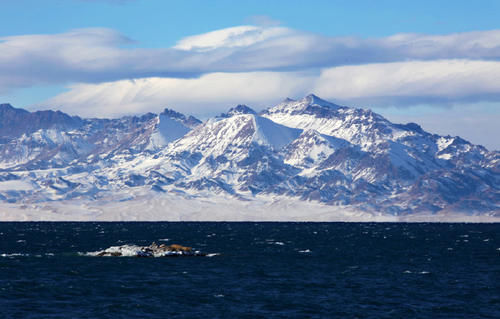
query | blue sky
(87,53)
(162,22)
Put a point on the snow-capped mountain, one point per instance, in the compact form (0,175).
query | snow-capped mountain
(48,139)
(301,151)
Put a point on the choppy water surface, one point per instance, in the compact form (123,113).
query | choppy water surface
(268,270)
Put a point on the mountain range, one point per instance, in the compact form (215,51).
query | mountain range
(306,153)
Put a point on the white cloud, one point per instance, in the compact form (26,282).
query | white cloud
(393,84)
(207,95)
(257,65)
(99,55)
(242,36)
(81,55)
(371,85)
(400,83)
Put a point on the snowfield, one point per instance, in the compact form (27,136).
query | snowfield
(176,208)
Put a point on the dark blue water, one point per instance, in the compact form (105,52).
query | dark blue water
(265,270)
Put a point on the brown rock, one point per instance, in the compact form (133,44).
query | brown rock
(176,247)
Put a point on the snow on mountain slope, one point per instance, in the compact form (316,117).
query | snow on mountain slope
(170,126)
(233,136)
(15,122)
(54,139)
(309,152)
(312,148)
(222,154)
(45,147)
(269,133)
(358,126)
(406,147)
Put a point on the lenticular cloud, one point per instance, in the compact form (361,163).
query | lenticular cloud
(253,64)
(381,84)
(97,54)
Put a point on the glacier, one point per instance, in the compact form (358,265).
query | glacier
(301,160)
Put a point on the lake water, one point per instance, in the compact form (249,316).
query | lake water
(264,270)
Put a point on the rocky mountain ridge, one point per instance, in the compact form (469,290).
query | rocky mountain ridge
(304,150)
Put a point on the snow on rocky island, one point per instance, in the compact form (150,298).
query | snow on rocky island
(153,250)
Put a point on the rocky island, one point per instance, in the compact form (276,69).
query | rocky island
(153,250)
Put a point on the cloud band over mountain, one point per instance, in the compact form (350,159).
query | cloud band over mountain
(254,62)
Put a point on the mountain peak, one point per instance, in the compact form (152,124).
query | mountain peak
(190,121)
(312,99)
(172,114)
(14,121)
(5,106)
(312,96)
(310,104)
(237,110)
(242,109)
